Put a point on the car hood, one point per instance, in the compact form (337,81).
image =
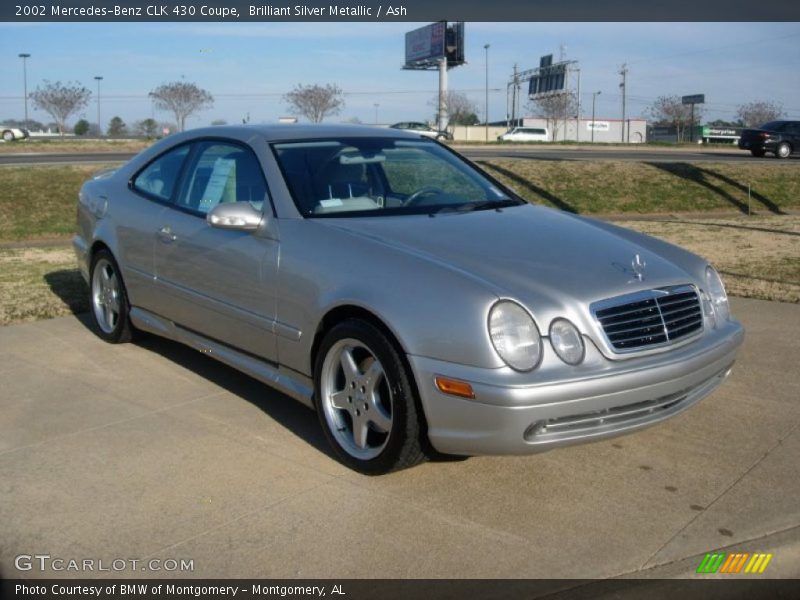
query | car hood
(540,256)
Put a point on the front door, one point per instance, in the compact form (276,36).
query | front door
(216,282)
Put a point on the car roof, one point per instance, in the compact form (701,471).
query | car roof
(293,131)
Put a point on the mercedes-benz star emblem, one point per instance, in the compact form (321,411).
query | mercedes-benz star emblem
(638,266)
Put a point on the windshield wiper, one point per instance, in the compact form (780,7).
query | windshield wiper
(477,205)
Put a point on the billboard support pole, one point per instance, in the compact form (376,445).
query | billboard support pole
(443,116)
(624,72)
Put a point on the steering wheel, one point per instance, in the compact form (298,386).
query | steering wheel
(421,193)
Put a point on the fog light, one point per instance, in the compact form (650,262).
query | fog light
(567,341)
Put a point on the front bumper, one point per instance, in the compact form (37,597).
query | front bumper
(515,413)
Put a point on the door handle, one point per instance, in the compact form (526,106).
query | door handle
(165,235)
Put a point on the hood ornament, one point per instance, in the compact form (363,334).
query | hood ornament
(638,265)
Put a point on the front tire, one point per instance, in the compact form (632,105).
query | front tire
(8,136)
(108,300)
(365,401)
(783,150)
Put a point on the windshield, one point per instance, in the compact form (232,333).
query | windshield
(381,176)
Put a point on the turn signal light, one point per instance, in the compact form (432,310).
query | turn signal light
(454,387)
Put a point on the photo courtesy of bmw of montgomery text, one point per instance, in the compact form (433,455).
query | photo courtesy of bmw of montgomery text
(416,303)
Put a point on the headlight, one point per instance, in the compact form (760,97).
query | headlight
(515,336)
(717,295)
(567,341)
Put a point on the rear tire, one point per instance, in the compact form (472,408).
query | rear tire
(783,150)
(758,153)
(8,136)
(108,300)
(365,400)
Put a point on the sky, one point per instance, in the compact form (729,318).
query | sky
(248,67)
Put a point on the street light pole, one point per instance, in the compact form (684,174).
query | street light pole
(25,56)
(98,78)
(376,105)
(594,99)
(486,113)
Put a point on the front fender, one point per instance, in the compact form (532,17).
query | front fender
(432,310)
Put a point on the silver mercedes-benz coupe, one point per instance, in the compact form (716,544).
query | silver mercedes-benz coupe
(417,304)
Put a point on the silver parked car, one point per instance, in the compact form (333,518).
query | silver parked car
(416,303)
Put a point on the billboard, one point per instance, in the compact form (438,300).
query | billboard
(550,78)
(694,99)
(426,44)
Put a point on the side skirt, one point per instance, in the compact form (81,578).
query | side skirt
(291,383)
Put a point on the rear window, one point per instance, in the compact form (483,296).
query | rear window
(159,178)
(774,126)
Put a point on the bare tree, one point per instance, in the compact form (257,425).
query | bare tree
(315,102)
(60,101)
(757,113)
(182,99)
(460,109)
(669,110)
(555,109)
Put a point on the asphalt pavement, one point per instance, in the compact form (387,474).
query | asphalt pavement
(154,451)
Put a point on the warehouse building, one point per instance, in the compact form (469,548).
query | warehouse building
(604,130)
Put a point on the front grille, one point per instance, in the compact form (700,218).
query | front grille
(651,318)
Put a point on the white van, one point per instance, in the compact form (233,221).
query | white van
(525,134)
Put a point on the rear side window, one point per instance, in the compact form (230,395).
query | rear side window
(222,172)
(160,177)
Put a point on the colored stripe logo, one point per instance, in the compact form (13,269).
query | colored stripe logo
(734,563)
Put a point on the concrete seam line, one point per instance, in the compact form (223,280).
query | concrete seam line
(720,495)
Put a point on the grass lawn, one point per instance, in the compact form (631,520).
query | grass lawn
(40,283)
(609,187)
(40,202)
(68,145)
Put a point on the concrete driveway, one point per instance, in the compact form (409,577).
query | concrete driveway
(153,451)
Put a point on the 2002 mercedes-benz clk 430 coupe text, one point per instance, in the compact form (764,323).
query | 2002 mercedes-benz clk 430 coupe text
(416,303)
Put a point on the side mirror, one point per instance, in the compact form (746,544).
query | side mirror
(235,215)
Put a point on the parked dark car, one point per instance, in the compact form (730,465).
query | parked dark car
(781,138)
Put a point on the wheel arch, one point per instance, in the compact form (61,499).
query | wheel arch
(343,312)
(96,246)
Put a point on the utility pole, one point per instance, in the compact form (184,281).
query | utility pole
(624,72)
(376,105)
(514,98)
(98,78)
(594,100)
(578,117)
(25,56)
(486,113)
